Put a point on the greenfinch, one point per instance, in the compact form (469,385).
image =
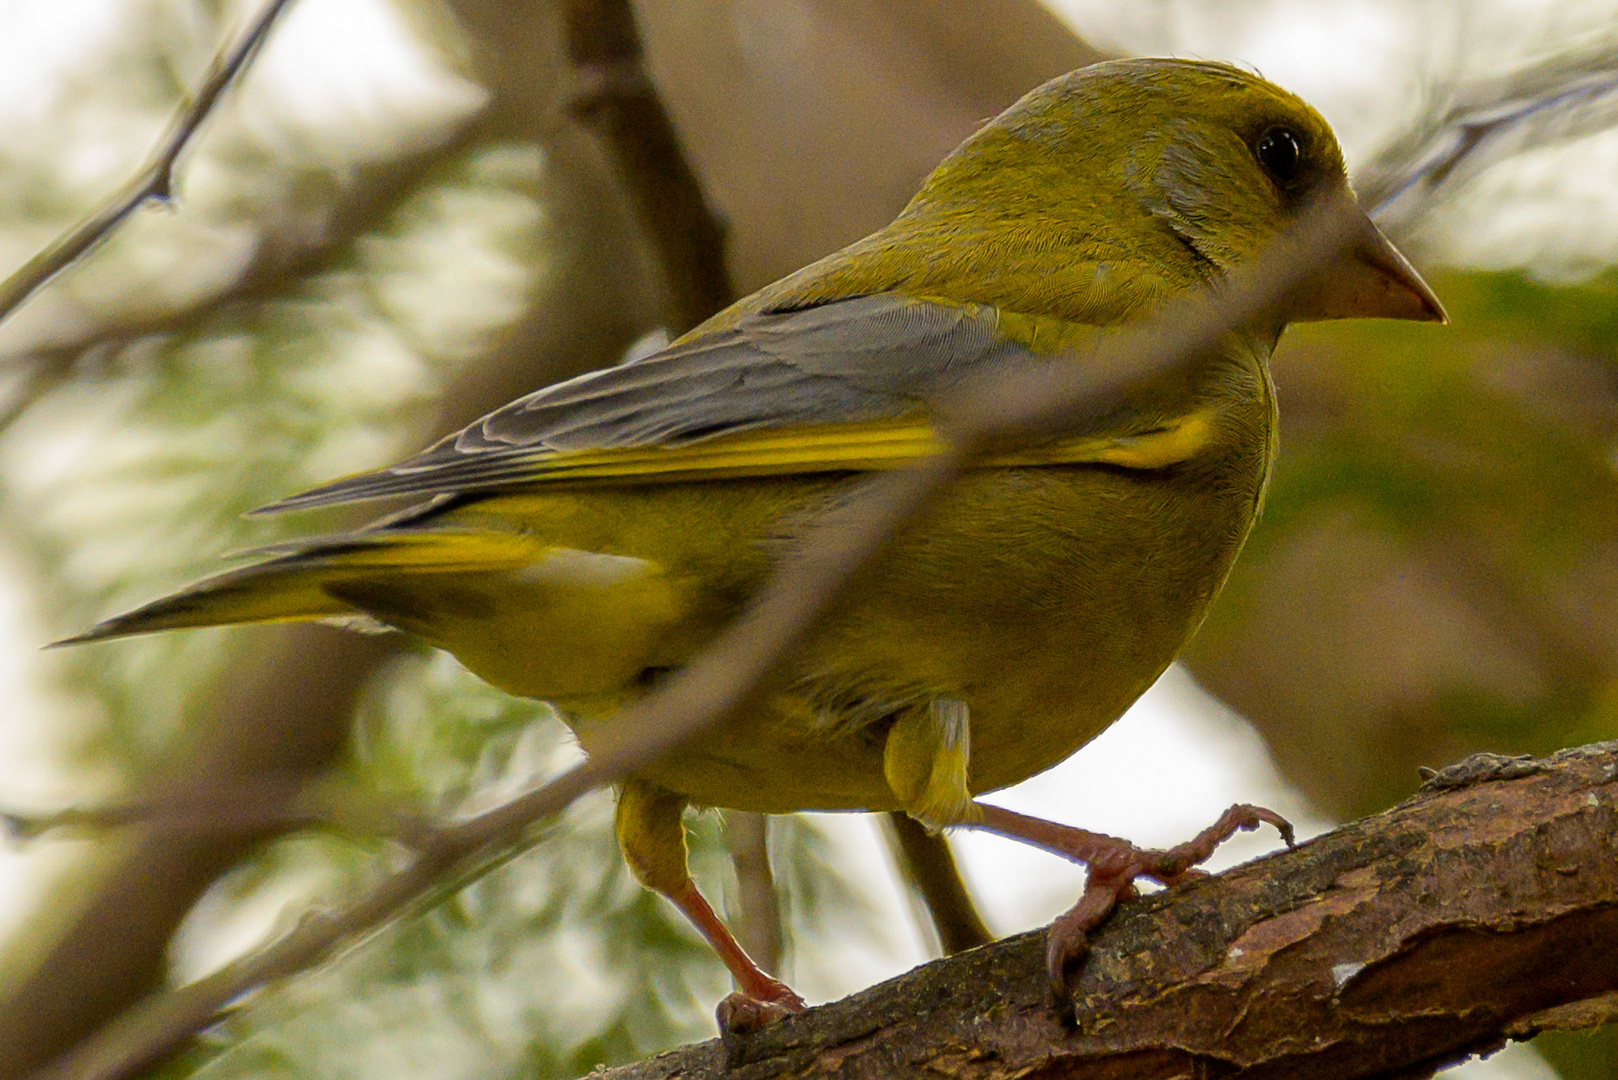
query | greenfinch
(582,542)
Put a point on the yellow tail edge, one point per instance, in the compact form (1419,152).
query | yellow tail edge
(292,587)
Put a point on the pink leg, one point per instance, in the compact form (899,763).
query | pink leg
(761,999)
(1114,865)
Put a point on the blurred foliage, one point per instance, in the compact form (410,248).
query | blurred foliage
(126,467)
(130,475)
(552,964)
(1433,574)
(1436,569)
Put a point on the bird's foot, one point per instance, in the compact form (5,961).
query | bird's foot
(765,1003)
(759,999)
(1113,867)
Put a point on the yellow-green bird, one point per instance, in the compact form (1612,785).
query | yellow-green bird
(585,540)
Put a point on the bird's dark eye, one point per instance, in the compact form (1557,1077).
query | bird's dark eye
(1278,151)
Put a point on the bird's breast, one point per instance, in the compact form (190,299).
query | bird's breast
(1048,599)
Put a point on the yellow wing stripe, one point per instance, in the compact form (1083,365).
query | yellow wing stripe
(856,448)
(1178,442)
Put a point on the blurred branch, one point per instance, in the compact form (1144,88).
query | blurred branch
(1563,96)
(1484,909)
(617,101)
(1011,408)
(99,943)
(156,181)
(256,806)
(757,925)
(371,195)
(929,866)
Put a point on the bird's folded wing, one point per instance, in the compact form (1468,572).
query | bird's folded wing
(839,387)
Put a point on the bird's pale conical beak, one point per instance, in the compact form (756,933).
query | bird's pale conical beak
(1369,280)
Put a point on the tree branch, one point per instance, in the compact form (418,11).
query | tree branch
(757,921)
(255,806)
(928,865)
(1483,909)
(1562,96)
(156,181)
(617,101)
(370,195)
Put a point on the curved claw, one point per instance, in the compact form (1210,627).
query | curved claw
(1066,947)
(1067,942)
(1282,825)
(1174,865)
(1244,817)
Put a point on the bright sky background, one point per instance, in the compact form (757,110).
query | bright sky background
(1178,758)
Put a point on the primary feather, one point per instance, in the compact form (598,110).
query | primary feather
(843,366)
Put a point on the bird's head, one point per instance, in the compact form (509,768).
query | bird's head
(1183,168)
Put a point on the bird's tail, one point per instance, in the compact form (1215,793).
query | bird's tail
(297,582)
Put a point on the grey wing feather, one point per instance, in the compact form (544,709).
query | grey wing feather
(865,359)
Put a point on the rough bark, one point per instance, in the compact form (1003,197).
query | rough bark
(1483,909)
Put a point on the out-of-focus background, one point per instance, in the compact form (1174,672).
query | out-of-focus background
(396,222)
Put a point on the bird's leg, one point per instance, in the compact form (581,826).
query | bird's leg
(1113,866)
(652,838)
(759,998)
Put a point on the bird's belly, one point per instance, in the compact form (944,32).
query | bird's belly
(1048,600)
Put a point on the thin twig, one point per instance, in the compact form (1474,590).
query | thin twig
(371,194)
(757,922)
(1563,96)
(265,804)
(1024,405)
(928,864)
(155,182)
